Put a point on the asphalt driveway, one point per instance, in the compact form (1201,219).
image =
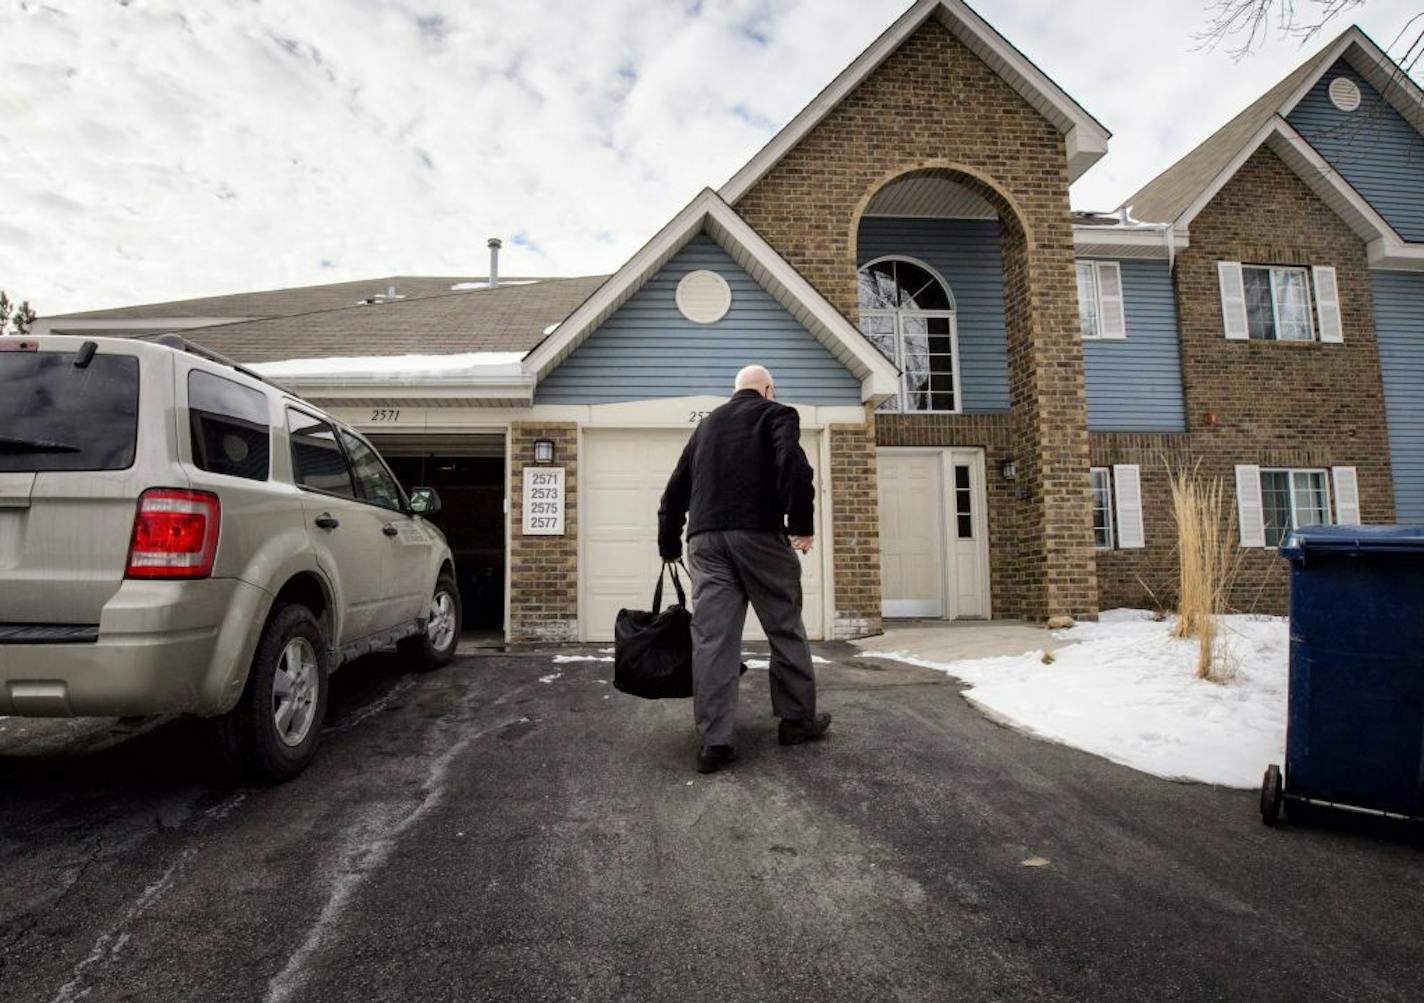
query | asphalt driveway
(510,828)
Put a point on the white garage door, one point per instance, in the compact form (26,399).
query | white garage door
(622,475)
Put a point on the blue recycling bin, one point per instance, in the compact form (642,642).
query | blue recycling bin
(1355,727)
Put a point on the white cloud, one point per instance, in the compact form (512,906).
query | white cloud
(160,149)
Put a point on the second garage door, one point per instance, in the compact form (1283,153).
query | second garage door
(622,475)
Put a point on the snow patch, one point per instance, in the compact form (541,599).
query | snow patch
(1127,691)
(563,659)
(551,677)
(765,663)
(461,287)
(395,367)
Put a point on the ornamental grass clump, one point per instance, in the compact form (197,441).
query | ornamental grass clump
(1207,565)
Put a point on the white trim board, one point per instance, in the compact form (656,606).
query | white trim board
(1086,139)
(1141,240)
(708,213)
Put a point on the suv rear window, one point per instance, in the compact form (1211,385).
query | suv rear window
(229,427)
(54,416)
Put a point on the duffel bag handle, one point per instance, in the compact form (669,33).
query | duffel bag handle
(676,584)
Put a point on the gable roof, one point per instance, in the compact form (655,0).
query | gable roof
(1281,138)
(1167,197)
(509,318)
(708,213)
(284,302)
(1087,138)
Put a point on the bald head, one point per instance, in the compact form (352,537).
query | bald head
(756,378)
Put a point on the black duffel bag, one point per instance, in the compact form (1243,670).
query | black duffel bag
(652,650)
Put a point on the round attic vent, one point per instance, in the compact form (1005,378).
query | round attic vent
(1344,94)
(703,297)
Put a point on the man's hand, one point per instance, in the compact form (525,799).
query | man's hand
(802,544)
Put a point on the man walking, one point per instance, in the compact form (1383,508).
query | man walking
(749,488)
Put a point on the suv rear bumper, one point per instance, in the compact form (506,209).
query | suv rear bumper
(163,648)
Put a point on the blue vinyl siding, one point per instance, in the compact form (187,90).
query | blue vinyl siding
(1399,324)
(1372,147)
(967,253)
(648,349)
(1135,384)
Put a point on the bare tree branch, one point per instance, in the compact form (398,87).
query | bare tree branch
(1247,23)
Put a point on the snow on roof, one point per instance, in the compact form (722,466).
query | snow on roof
(387,368)
(461,287)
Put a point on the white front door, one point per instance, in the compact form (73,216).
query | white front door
(933,533)
(622,474)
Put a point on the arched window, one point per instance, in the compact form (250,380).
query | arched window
(907,312)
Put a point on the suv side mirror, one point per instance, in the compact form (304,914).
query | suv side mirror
(424,501)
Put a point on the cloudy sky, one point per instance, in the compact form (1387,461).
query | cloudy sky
(157,149)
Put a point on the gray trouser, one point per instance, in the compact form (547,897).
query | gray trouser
(730,567)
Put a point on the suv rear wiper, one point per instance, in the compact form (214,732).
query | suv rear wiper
(10,445)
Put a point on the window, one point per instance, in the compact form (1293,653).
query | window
(963,502)
(1117,507)
(1291,499)
(1100,300)
(1273,303)
(1102,508)
(375,482)
(906,312)
(317,460)
(56,416)
(228,425)
(1277,303)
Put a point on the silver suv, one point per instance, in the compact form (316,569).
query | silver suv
(179,536)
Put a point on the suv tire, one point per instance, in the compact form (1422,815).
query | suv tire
(273,731)
(434,647)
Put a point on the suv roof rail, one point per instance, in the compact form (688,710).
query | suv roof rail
(184,345)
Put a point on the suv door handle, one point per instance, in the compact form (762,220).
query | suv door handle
(389,529)
(326,521)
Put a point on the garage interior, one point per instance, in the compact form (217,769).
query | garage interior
(468,472)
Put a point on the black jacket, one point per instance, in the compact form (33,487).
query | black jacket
(743,469)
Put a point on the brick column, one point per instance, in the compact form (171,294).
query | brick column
(543,570)
(1056,571)
(855,535)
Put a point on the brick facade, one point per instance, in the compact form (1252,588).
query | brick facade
(1272,403)
(543,570)
(934,107)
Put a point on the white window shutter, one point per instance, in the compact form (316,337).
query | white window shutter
(1249,517)
(1327,304)
(1127,486)
(1233,300)
(1347,496)
(1110,300)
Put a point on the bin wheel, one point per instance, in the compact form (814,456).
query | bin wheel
(1272,794)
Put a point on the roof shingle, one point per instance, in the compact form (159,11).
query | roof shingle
(509,318)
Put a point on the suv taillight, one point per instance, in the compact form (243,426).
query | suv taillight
(175,534)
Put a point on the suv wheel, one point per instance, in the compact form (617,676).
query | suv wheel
(272,732)
(435,647)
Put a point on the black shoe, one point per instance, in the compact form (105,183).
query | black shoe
(711,758)
(796,732)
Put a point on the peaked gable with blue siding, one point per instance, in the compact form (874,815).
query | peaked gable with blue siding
(1134,384)
(648,349)
(1373,147)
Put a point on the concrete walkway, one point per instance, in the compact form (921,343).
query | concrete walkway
(952,640)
